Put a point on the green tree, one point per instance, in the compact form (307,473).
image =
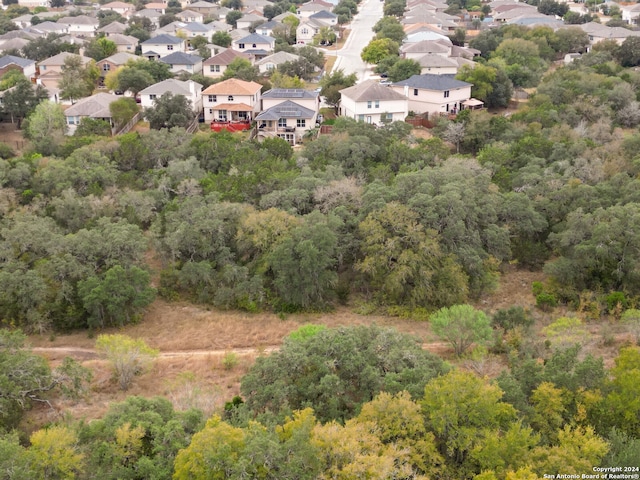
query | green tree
(44,47)
(332,84)
(391,28)
(26,379)
(133,79)
(117,298)
(46,127)
(77,80)
(403,69)
(100,48)
(232,17)
(123,110)
(221,38)
(461,326)
(128,357)
(378,49)
(404,262)
(169,111)
(305,258)
(242,69)
(629,52)
(337,370)
(21,101)
(139,437)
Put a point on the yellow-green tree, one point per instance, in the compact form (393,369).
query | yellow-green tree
(462,411)
(212,454)
(623,402)
(128,356)
(55,454)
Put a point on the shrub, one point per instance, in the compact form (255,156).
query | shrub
(546,301)
(511,318)
(230,360)
(616,301)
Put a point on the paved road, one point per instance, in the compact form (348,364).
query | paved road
(370,11)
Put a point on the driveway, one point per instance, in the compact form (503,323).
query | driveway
(370,11)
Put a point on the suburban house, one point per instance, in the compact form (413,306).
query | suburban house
(598,33)
(113,28)
(115,61)
(205,8)
(215,66)
(232,100)
(257,45)
(163,45)
(24,65)
(122,8)
(190,16)
(95,106)
(267,28)
(270,63)
(190,89)
(151,14)
(372,102)
(124,43)
(326,17)
(183,62)
(314,6)
(82,25)
(307,29)
(434,94)
(47,27)
(51,68)
(287,120)
(33,3)
(630,13)
(13,45)
(416,50)
(438,65)
(249,20)
(305,98)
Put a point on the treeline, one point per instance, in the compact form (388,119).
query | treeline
(363,402)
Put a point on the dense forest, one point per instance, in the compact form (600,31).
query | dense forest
(376,218)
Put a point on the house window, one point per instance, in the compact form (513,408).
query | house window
(213,98)
(169,47)
(254,46)
(282,122)
(106,67)
(415,92)
(304,31)
(301,123)
(152,97)
(241,46)
(211,111)
(446,94)
(361,118)
(377,103)
(128,47)
(43,67)
(214,68)
(230,98)
(222,115)
(369,104)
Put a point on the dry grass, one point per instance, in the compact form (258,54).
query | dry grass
(193,341)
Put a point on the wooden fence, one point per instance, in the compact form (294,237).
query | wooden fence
(136,118)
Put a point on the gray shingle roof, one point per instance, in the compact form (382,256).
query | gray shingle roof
(289,93)
(96,106)
(180,58)
(433,82)
(287,109)
(163,39)
(172,85)
(255,38)
(11,60)
(371,90)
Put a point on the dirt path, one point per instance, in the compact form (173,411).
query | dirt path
(83,354)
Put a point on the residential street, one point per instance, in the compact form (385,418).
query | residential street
(370,11)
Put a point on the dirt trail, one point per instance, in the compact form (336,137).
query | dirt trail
(91,354)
